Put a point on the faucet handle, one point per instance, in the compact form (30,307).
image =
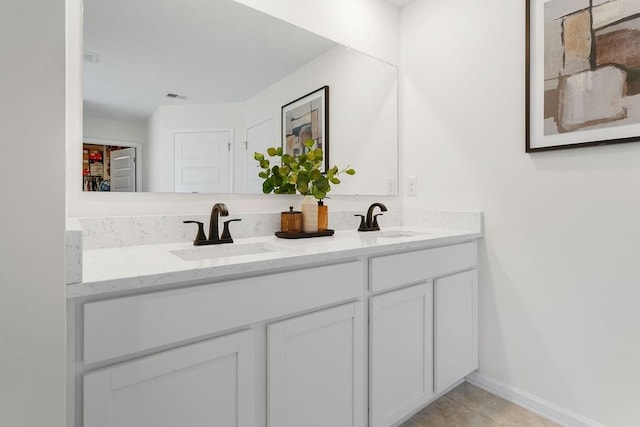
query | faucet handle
(375,225)
(363,226)
(200,237)
(226,235)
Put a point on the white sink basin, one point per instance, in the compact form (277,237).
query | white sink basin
(396,234)
(226,250)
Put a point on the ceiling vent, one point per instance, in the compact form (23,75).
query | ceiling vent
(176,96)
(90,56)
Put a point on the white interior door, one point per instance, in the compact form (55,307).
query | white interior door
(259,138)
(123,170)
(202,161)
(205,384)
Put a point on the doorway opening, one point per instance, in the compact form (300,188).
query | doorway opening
(111,166)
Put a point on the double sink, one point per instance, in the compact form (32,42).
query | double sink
(202,251)
(199,253)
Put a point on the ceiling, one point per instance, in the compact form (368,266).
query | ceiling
(207,51)
(400,2)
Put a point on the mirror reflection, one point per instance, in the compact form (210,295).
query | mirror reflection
(178,95)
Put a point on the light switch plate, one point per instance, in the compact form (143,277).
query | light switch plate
(391,187)
(412,186)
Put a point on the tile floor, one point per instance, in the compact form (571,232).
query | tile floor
(471,406)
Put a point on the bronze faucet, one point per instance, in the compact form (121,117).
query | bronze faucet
(219,209)
(371,222)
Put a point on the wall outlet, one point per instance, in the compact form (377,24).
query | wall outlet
(391,187)
(412,186)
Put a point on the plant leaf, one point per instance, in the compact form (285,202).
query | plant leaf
(322,184)
(319,194)
(303,187)
(267,187)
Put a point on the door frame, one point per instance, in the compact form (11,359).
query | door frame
(204,130)
(122,143)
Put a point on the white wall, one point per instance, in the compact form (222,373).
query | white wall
(115,130)
(363,94)
(158,163)
(32,279)
(559,276)
(372,26)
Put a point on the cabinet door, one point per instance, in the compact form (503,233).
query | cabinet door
(456,328)
(401,355)
(208,383)
(316,369)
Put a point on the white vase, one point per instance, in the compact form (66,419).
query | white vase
(309,214)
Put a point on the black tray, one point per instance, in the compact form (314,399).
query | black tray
(323,233)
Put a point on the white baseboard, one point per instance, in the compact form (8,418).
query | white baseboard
(530,402)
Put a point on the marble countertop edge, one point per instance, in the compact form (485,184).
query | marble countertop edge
(147,267)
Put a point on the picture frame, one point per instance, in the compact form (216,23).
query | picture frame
(307,118)
(582,73)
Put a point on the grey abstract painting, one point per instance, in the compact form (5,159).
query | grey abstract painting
(591,64)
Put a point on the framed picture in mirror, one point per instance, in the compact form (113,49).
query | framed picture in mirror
(307,118)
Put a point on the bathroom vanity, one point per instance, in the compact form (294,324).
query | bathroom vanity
(352,330)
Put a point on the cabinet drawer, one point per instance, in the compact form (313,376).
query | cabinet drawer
(390,271)
(127,325)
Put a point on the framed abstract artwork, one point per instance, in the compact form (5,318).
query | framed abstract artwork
(583,73)
(307,118)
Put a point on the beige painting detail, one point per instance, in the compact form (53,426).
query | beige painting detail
(577,42)
(592,64)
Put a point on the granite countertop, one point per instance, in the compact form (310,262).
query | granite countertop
(130,268)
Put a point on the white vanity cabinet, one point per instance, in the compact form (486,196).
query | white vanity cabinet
(304,346)
(422,327)
(316,369)
(208,383)
(174,358)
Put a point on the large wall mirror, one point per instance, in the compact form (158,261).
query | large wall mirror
(178,95)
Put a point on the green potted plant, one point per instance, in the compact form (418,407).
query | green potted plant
(300,174)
